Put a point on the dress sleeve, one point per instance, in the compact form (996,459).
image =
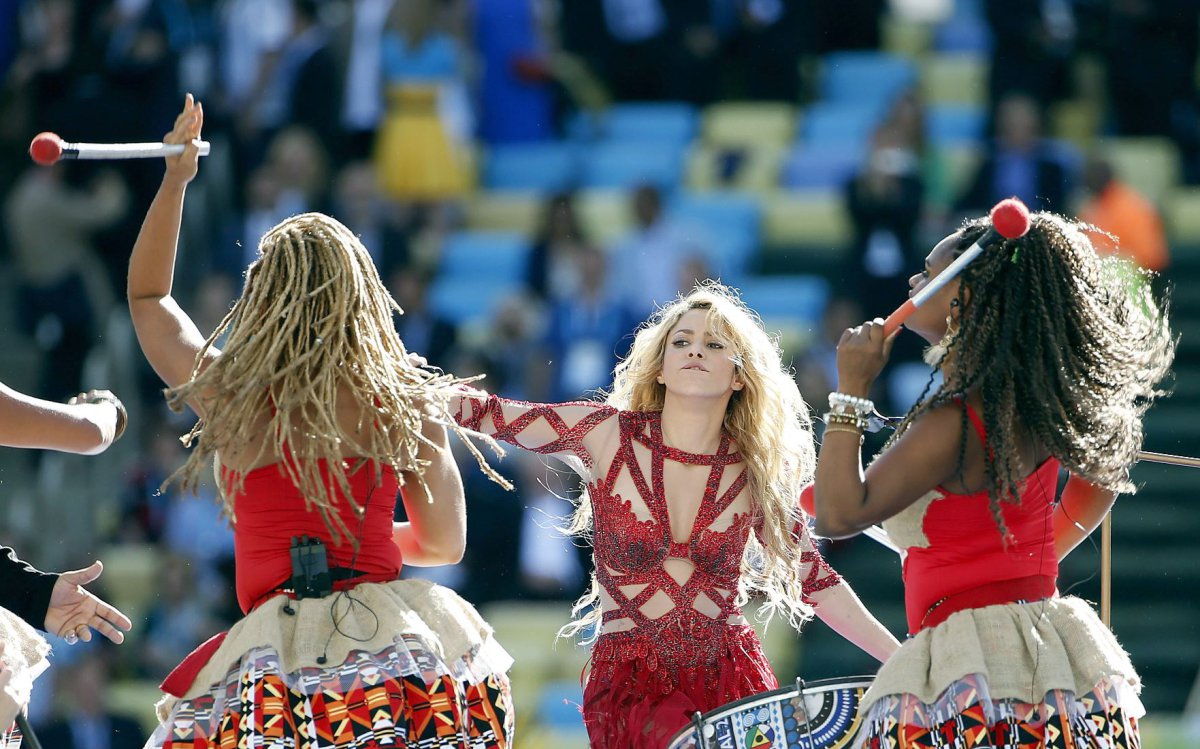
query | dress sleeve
(560,429)
(26,591)
(815,571)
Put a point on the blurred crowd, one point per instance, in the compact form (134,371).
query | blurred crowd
(381,112)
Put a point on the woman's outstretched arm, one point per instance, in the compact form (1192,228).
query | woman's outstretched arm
(87,425)
(168,337)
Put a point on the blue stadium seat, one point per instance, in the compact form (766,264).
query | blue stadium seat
(467,299)
(625,164)
(544,167)
(951,124)
(670,122)
(800,298)
(732,224)
(828,167)
(841,122)
(559,704)
(866,77)
(963,33)
(497,255)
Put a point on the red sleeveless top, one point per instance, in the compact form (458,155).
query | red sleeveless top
(966,551)
(270,510)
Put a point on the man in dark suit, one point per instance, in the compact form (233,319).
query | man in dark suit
(1018,163)
(87,723)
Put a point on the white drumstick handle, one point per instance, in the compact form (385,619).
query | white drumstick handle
(126,150)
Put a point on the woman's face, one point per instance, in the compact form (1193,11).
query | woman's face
(929,320)
(698,362)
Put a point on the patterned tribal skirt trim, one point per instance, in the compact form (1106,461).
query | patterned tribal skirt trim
(401,696)
(966,717)
(403,665)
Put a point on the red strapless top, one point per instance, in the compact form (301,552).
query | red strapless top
(270,511)
(966,550)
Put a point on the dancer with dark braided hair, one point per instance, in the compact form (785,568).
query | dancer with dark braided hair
(1050,356)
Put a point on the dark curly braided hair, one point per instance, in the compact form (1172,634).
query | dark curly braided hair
(1063,344)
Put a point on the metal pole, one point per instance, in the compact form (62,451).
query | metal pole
(1175,460)
(1106,570)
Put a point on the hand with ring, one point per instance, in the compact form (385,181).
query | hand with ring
(74,612)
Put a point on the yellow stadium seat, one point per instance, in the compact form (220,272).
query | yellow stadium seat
(606,215)
(1076,120)
(1149,165)
(905,36)
(958,165)
(811,218)
(1181,209)
(757,171)
(131,575)
(504,211)
(954,79)
(749,124)
(135,699)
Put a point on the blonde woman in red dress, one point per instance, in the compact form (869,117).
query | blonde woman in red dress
(692,469)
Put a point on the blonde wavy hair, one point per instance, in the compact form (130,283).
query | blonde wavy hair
(313,315)
(771,426)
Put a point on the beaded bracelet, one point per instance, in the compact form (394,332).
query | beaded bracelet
(115,402)
(847,419)
(841,402)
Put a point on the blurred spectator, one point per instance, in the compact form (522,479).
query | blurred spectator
(850,24)
(62,288)
(421,329)
(693,271)
(1118,209)
(360,49)
(144,506)
(300,87)
(584,330)
(816,370)
(884,202)
(766,47)
(301,165)
(509,352)
(1018,163)
(87,722)
(516,97)
(380,224)
(1033,50)
(263,191)
(550,563)
(553,269)
(647,263)
(178,621)
(420,151)
(197,529)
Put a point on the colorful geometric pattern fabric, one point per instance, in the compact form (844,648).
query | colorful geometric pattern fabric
(10,739)
(964,717)
(364,703)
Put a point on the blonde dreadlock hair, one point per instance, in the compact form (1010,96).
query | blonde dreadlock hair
(767,419)
(313,315)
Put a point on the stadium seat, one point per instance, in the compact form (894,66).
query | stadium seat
(820,167)
(499,256)
(1181,214)
(668,122)
(959,78)
(794,298)
(807,218)
(512,211)
(732,224)
(959,162)
(606,215)
(544,167)
(749,169)
(875,77)
(1149,165)
(963,33)
(626,164)
(827,123)
(954,123)
(467,300)
(749,124)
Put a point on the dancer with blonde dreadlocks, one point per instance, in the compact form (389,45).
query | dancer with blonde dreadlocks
(693,472)
(315,418)
(1049,358)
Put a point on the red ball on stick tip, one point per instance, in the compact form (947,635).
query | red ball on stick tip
(46,148)
(1010,218)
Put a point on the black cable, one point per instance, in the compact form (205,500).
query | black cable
(346,592)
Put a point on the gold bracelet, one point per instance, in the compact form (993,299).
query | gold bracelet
(846,429)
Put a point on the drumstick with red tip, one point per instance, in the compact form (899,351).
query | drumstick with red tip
(1010,220)
(48,148)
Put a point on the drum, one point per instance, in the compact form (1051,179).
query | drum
(809,715)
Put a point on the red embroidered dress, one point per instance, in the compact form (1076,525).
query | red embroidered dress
(672,641)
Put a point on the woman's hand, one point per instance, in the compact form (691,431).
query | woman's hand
(181,169)
(862,353)
(120,415)
(74,612)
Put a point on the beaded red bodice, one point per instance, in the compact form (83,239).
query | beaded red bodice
(633,540)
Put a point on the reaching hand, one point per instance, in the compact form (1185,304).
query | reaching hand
(74,612)
(106,396)
(182,168)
